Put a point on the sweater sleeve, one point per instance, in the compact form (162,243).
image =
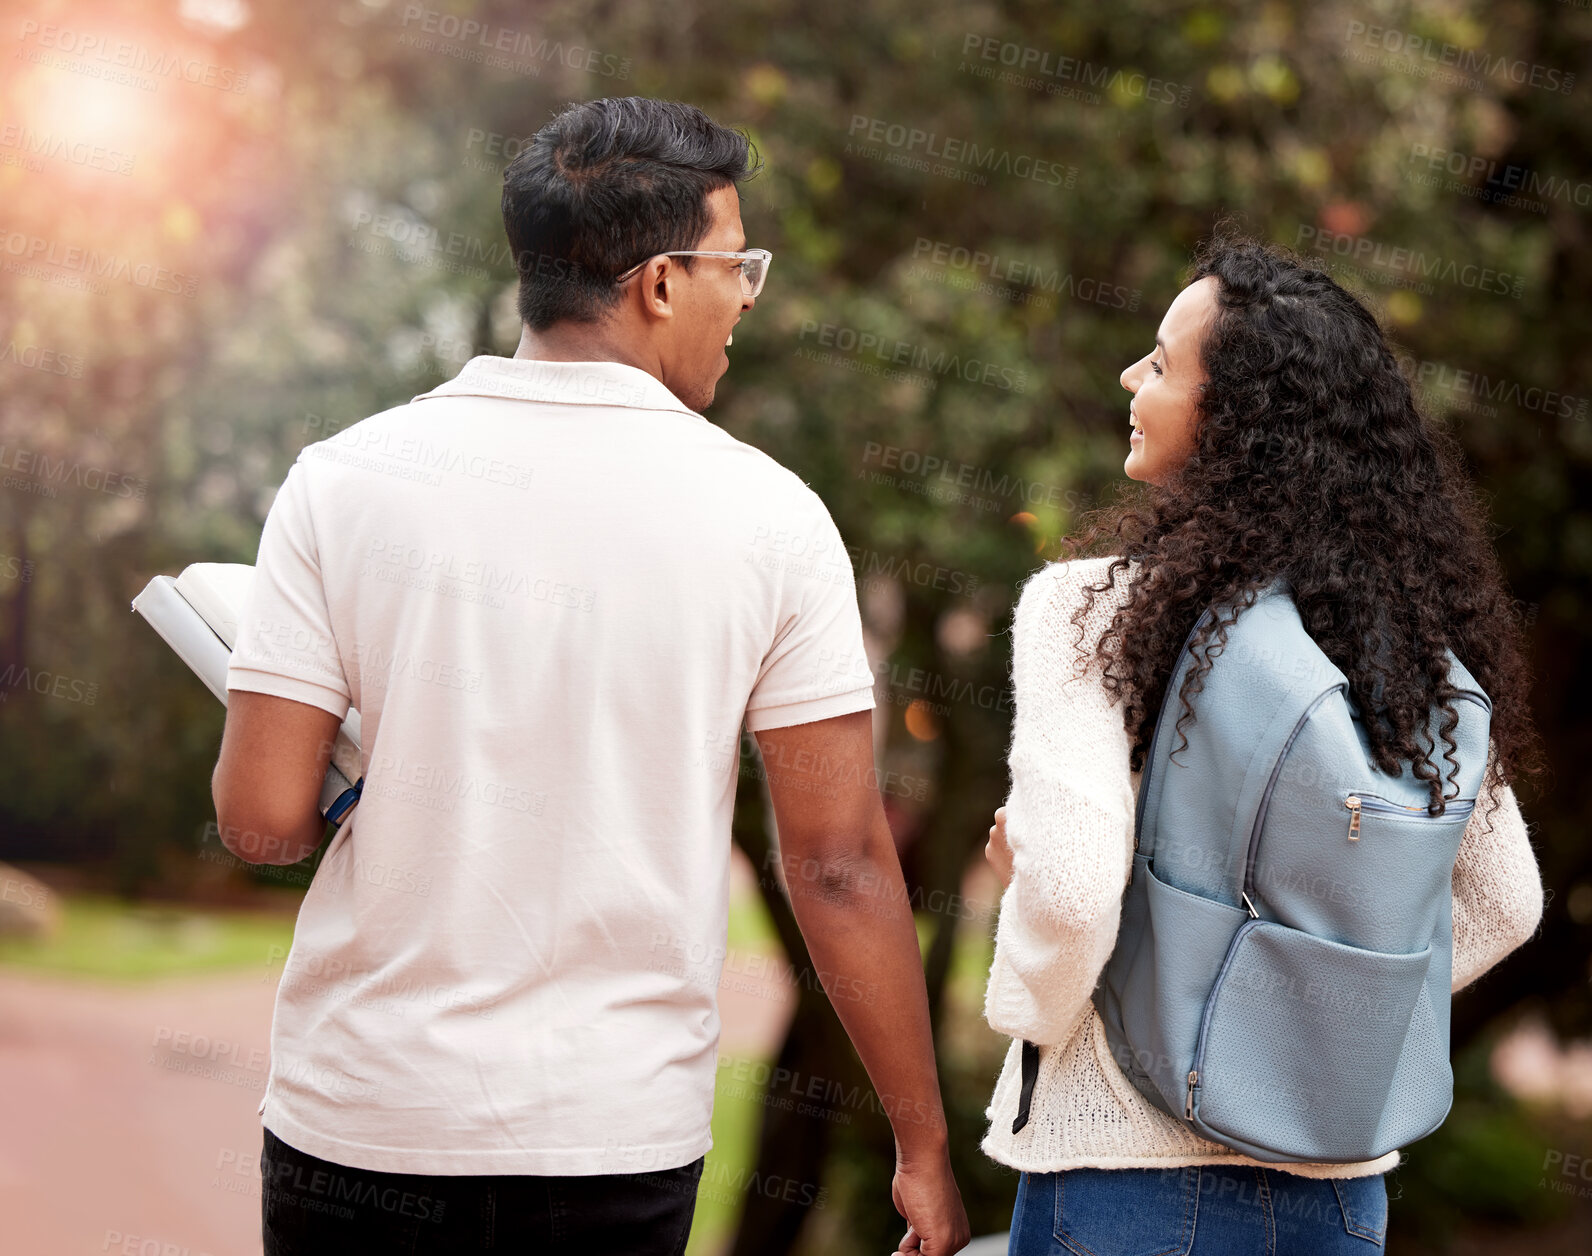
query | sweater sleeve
(1069,815)
(1497,887)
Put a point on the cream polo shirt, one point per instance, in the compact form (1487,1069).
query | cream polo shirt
(554,594)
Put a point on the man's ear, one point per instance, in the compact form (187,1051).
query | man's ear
(657,287)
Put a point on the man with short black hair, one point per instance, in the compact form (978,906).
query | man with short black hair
(555,592)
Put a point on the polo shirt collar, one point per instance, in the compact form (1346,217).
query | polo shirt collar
(611,384)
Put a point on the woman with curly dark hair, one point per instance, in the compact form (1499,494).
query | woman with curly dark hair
(1274,435)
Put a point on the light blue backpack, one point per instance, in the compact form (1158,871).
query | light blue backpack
(1281,976)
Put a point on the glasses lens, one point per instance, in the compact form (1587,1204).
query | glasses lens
(753,271)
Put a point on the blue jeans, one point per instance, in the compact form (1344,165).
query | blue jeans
(314,1207)
(1203,1210)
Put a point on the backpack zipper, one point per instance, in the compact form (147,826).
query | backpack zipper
(1265,798)
(1370,802)
(1205,1016)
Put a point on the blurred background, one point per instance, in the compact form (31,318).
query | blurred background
(231,229)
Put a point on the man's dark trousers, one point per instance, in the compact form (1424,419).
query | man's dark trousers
(313,1207)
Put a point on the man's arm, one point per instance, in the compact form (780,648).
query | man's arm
(850,901)
(267,783)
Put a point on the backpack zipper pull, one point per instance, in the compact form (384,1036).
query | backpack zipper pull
(1353,804)
(1188,1105)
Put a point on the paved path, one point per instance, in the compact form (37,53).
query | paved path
(106,1135)
(128,1112)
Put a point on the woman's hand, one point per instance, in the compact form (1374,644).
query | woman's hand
(997,851)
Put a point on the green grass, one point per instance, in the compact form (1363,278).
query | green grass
(737,1116)
(103,936)
(751,927)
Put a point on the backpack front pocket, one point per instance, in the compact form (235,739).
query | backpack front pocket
(1182,939)
(1299,1044)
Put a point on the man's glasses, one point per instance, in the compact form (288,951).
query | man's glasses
(754,265)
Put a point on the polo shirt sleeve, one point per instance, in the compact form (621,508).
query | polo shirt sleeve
(817,665)
(285,645)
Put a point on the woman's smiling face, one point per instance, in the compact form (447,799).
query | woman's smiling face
(1166,384)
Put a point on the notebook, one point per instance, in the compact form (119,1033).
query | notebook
(197,616)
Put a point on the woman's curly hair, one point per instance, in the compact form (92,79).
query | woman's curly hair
(1311,461)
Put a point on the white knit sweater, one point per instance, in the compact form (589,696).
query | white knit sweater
(1070,821)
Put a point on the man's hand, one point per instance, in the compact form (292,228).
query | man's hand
(997,851)
(926,1195)
(267,783)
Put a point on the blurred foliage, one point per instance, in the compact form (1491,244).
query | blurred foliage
(333,224)
(1487,1163)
